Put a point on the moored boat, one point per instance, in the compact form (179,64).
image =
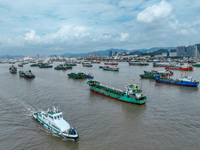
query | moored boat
(131,95)
(87,64)
(183,80)
(13,69)
(151,74)
(111,63)
(109,68)
(45,65)
(62,67)
(27,74)
(180,67)
(160,64)
(20,65)
(196,65)
(138,64)
(53,121)
(79,75)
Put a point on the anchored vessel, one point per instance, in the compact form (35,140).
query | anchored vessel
(13,69)
(63,67)
(131,95)
(183,80)
(115,68)
(138,64)
(180,67)
(80,75)
(151,74)
(111,63)
(53,121)
(27,74)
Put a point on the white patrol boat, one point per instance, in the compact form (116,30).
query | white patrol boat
(53,121)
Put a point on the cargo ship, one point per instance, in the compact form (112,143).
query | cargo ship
(182,67)
(53,121)
(131,95)
(183,80)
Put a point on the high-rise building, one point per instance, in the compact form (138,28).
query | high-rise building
(189,51)
(110,53)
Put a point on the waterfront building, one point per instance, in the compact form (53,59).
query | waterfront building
(188,51)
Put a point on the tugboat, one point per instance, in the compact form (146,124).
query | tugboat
(131,95)
(53,121)
(13,69)
(108,68)
(183,80)
(27,74)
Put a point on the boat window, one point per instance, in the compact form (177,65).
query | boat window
(60,116)
(55,118)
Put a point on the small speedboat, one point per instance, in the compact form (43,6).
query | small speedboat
(53,121)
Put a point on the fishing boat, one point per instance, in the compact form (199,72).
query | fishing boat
(45,65)
(90,76)
(63,67)
(131,95)
(151,74)
(20,65)
(196,65)
(79,75)
(111,63)
(96,62)
(53,121)
(160,64)
(183,80)
(108,68)
(180,67)
(101,67)
(87,64)
(35,65)
(13,69)
(138,64)
(27,74)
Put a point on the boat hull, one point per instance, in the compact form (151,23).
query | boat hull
(124,98)
(182,83)
(53,131)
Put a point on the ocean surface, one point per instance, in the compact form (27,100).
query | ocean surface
(170,120)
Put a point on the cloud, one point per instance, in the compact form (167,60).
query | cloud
(155,12)
(123,37)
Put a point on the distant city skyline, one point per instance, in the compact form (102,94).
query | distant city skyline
(56,27)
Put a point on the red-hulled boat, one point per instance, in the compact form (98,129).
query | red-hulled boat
(184,68)
(110,63)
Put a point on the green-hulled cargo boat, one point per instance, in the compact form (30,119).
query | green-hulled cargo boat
(79,75)
(151,74)
(131,95)
(196,65)
(62,67)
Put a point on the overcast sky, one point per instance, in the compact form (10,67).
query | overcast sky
(44,27)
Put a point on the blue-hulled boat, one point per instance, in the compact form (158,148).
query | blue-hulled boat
(183,80)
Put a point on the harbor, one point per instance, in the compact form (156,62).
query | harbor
(168,119)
